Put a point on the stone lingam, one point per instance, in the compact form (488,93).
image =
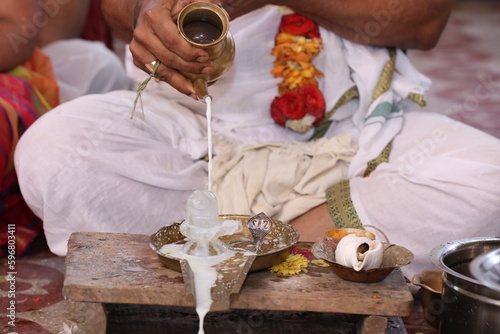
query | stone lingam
(202,228)
(216,252)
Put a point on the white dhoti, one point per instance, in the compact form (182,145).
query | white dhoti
(85,67)
(86,166)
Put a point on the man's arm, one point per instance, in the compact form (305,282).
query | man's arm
(65,20)
(120,15)
(149,25)
(19,32)
(406,24)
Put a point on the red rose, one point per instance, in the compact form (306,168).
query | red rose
(296,24)
(314,102)
(314,33)
(289,106)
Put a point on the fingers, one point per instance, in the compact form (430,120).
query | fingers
(156,37)
(171,64)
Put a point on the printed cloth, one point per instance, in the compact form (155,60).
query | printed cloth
(26,93)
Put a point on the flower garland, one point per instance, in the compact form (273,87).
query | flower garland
(299,104)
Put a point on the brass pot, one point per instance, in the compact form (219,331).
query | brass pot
(206,26)
(431,284)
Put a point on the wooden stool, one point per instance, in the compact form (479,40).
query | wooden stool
(116,269)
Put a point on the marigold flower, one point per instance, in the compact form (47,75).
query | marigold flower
(292,265)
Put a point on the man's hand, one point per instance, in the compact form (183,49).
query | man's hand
(155,37)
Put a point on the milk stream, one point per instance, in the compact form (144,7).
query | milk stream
(208,101)
(204,276)
(202,227)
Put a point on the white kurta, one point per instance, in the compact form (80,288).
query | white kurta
(86,166)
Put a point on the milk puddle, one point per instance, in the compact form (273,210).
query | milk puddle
(205,275)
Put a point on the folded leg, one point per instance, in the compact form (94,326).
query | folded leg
(86,166)
(442,183)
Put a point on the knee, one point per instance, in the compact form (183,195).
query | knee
(107,68)
(85,67)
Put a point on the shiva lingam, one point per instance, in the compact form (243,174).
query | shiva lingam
(206,26)
(232,244)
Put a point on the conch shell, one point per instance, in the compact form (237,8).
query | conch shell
(359,253)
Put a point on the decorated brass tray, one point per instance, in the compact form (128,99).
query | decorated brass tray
(275,247)
(256,248)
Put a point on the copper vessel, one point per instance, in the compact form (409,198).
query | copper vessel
(206,26)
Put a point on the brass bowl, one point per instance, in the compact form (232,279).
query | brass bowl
(275,249)
(431,284)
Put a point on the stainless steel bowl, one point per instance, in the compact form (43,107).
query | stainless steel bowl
(468,306)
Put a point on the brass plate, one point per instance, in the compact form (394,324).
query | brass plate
(275,249)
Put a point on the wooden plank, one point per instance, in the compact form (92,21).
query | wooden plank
(121,268)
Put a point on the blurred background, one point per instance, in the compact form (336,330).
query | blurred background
(465,66)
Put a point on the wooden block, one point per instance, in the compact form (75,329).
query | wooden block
(373,325)
(121,268)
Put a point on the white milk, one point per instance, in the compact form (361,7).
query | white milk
(208,101)
(202,227)
(204,276)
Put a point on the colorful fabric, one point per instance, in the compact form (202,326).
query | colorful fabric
(26,93)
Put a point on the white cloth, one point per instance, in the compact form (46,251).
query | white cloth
(442,183)
(84,67)
(85,166)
